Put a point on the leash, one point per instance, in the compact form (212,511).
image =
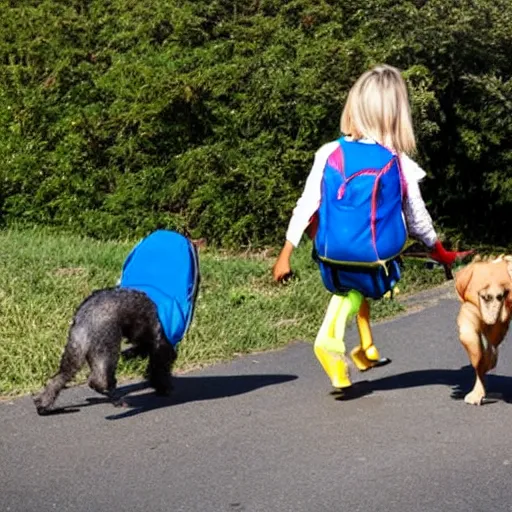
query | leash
(416,250)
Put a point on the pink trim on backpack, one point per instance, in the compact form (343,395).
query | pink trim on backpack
(364,172)
(373,219)
(336,160)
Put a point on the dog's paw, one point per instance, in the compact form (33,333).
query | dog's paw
(162,384)
(43,406)
(474,398)
(42,411)
(163,390)
(119,402)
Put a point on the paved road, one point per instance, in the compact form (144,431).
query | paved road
(263,434)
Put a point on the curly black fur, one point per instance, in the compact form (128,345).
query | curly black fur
(99,325)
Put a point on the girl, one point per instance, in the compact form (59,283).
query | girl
(376,113)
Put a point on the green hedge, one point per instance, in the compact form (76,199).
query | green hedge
(120,116)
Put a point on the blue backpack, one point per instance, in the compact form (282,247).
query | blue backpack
(164,266)
(361,227)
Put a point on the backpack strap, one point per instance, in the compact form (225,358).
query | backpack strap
(337,161)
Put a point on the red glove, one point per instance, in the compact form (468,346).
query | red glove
(441,255)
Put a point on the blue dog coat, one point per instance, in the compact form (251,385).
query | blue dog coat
(164,266)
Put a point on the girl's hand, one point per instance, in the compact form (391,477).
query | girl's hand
(281,270)
(448,258)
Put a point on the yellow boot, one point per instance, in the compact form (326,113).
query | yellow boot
(329,345)
(366,356)
(335,366)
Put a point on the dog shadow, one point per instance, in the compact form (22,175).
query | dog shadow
(461,381)
(185,389)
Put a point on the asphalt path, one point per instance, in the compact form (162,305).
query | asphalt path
(264,434)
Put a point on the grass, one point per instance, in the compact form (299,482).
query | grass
(44,275)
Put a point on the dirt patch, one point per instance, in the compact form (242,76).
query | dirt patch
(70,271)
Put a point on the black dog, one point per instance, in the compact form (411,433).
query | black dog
(99,325)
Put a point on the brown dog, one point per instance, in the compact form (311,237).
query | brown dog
(484,288)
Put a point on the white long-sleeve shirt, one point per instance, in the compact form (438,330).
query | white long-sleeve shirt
(418,219)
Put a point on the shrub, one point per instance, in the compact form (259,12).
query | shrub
(122,116)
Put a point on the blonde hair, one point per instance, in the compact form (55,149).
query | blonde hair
(377,107)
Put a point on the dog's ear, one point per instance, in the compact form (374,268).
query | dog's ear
(505,311)
(508,259)
(462,281)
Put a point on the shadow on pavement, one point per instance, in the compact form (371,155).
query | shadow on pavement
(191,389)
(499,388)
(186,389)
